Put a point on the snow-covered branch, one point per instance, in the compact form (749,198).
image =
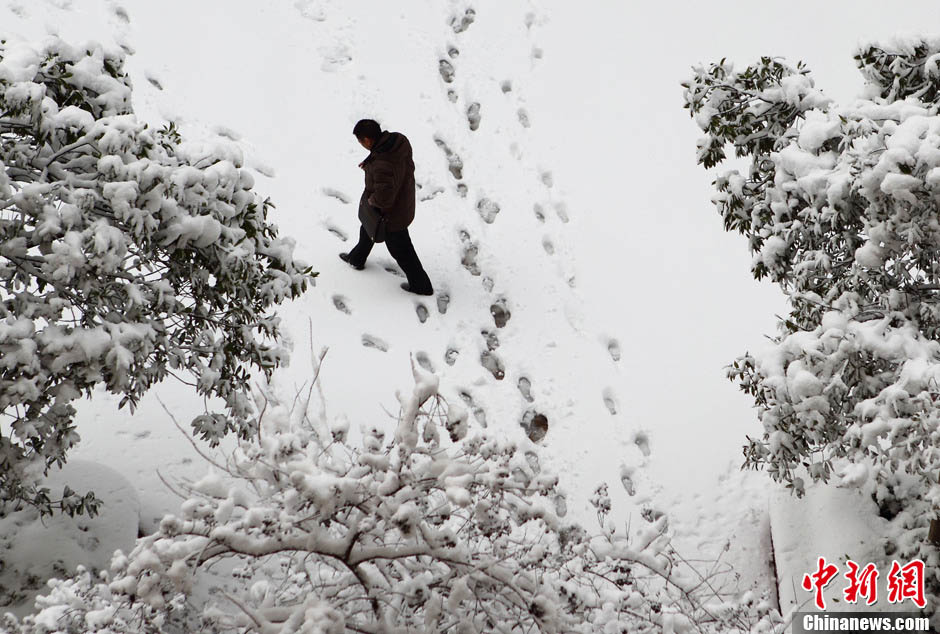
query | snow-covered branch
(126,256)
(426,532)
(839,207)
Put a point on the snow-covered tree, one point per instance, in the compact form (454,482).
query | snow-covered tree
(440,528)
(126,255)
(841,208)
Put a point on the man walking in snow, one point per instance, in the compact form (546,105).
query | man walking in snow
(390,189)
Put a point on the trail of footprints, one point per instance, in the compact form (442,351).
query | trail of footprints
(486,207)
(534,422)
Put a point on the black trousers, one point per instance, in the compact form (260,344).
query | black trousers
(399,247)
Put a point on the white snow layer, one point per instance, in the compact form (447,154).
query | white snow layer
(609,337)
(34,549)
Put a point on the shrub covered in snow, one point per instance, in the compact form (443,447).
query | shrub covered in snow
(438,529)
(840,208)
(125,255)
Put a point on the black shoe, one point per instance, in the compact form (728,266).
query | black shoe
(345,258)
(406,287)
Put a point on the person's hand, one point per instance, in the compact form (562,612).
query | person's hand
(361,165)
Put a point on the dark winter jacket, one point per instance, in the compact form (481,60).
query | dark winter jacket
(390,180)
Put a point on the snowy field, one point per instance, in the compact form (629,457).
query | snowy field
(581,273)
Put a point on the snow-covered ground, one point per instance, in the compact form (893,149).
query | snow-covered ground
(580,271)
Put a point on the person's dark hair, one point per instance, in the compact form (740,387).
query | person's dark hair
(367,128)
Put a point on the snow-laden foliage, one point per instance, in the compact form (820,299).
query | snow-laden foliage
(840,208)
(437,529)
(125,255)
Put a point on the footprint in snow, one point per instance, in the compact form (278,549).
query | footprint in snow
(227,133)
(335,193)
(521,476)
(422,312)
(450,357)
(447,71)
(487,283)
(374,342)
(561,505)
(473,116)
(547,179)
(393,270)
(443,301)
(454,162)
(122,15)
(461,23)
(452,96)
(642,441)
(523,118)
(340,303)
(525,387)
(505,86)
(488,209)
(423,360)
(432,192)
(561,210)
(453,52)
(492,341)
(262,168)
(613,348)
(650,514)
(334,57)
(626,479)
(539,212)
(468,258)
(336,231)
(548,246)
(533,459)
(535,425)
(500,313)
(609,401)
(492,363)
(310,10)
(18,10)
(477,411)
(537,52)
(154,82)
(462,190)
